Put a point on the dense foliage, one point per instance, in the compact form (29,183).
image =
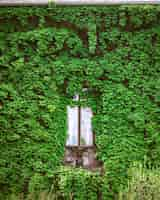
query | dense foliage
(144,184)
(48,54)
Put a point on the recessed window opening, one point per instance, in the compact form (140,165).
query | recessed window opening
(80,131)
(80,148)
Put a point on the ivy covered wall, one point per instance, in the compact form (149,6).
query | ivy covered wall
(48,54)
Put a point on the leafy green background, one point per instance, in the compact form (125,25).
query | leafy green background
(48,54)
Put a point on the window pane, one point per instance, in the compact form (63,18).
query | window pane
(86,127)
(72,113)
(76,97)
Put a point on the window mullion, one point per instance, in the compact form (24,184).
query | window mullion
(79,125)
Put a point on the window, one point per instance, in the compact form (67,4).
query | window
(79,125)
(80,145)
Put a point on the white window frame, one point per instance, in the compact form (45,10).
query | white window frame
(80,131)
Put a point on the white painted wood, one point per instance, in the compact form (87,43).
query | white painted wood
(23,2)
(72,139)
(86,127)
(104,2)
(75,2)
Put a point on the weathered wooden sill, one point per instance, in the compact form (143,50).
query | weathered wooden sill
(82,156)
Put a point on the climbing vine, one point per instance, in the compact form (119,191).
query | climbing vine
(48,54)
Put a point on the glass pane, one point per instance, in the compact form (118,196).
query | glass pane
(86,127)
(76,97)
(72,113)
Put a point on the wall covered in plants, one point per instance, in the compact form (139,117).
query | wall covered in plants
(48,54)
